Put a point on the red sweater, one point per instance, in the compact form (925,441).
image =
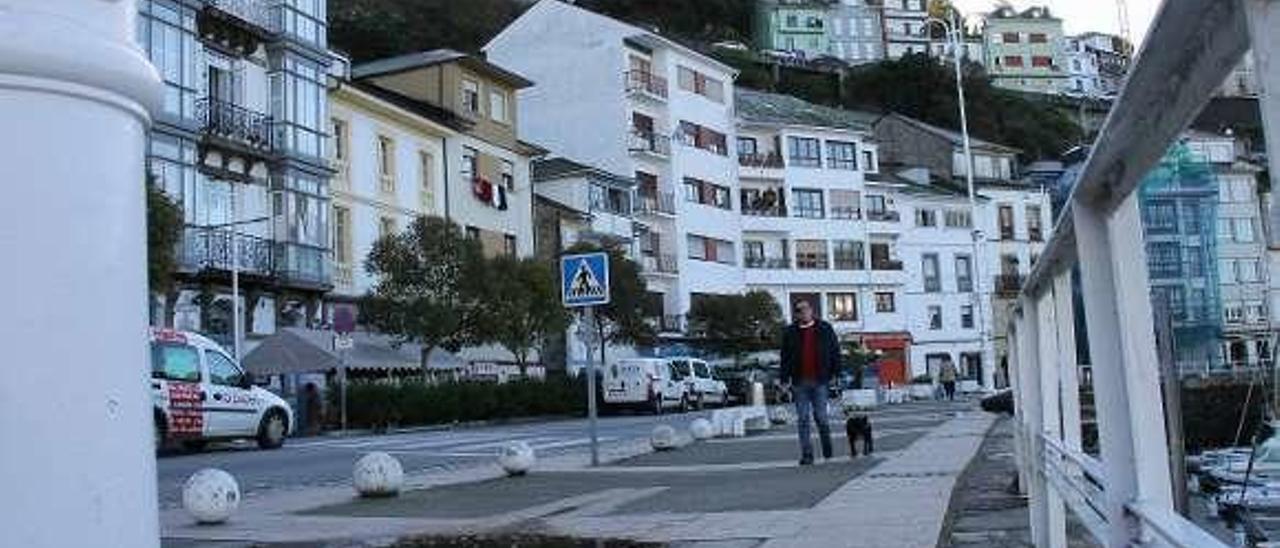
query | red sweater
(809,353)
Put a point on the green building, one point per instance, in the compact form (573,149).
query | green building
(798,26)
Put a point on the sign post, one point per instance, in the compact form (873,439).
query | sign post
(584,283)
(344,322)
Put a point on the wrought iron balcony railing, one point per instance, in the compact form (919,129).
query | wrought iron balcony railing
(254,12)
(765,211)
(216,249)
(650,142)
(771,160)
(658,202)
(234,123)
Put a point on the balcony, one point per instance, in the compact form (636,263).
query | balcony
(303,266)
(205,249)
(1008,285)
(767,263)
(765,211)
(662,263)
(771,160)
(886,264)
(882,215)
(670,323)
(648,142)
(237,25)
(846,213)
(234,126)
(343,276)
(657,203)
(647,84)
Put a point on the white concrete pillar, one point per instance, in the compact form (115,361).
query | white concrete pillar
(78,463)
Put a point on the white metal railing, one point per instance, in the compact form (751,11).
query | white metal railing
(1124,497)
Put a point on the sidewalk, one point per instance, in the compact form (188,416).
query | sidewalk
(721,493)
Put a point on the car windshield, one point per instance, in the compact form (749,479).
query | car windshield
(175,362)
(681,367)
(702,370)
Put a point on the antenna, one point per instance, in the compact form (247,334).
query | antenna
(1122,12)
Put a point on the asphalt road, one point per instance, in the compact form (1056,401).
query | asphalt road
(305,462)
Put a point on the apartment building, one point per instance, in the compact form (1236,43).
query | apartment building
(972,49)
(1096,64)
(904,27)
(1024,49)
(628,101)
(240,144)
(797,26)
(855,31)
(485,185)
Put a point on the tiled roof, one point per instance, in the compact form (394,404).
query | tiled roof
(955,136)
(421,59)
(774,108)
(559,168)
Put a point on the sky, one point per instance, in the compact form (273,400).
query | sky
(1081,15)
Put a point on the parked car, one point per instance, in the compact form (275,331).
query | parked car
(704,389)
(651,383)
(200,394)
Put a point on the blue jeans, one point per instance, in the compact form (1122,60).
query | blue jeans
(811,399)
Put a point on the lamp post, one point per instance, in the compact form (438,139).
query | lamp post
(953,30)
(237,323)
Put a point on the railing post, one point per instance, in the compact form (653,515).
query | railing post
(1068,365)
(1055,518)
(78,464)
(1122,348)
(1019,403)
(1031,379)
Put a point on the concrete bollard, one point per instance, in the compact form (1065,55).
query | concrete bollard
(757,393)
(378,474)
(211,496)
(516,458)
(663,438)
(780,415)
(701,429)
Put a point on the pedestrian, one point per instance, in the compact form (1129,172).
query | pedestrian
(314,409)
(810,356)
(948,377)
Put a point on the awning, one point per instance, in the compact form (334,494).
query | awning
(298,350)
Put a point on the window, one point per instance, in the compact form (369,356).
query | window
(471,96)
(694,135)
(1244,230)
(508,174)
(298,105)
(498,106)
(753,252)
(1233,314)
(341,235)
(703,248)
(929,270)
(1224,229)
(848,255)
(808,203)
(884,302)
(472,233)
(1034,230)
(842,155)
(955,218)
(804,152)
(1037,38)
(426,193)
(747,147)
(876,205)
(881,257)
(706,193)
(509,245)
(1195,261)
(964,274)
(926,217)
(1250,270)
(387,161)
(1160,216)
(1013,60)
(386,227)
(811,254)
(222,370)
(699,83)
(1258,312)
(175,362)
(168,33)
(1010,37)
(845,204)
(935,317)
(869,162)
(339,130)
(1006,222)
(966,316)
(470,164)
(1165,260)
(304,20)
(1043,61)
(844,306)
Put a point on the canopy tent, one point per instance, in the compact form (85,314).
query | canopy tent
(299,350)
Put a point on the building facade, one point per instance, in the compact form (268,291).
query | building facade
(855,31)
(972,49)
(904,27)
(1024,50)
(1096,64)
(627,101)
(240,144)
(797,26)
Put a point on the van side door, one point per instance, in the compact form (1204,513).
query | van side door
(230,407)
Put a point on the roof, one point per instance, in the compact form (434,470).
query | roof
(774,108)
(560,168)
(955,137)
(299,350)
(1033,12)
(429,111)
(423,59)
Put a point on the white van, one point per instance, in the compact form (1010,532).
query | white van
(201,394)
(653,383)
(703,388)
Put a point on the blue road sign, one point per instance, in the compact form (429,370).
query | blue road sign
(584,279)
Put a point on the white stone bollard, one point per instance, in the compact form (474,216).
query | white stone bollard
(516,458)
(211,496)
(780,414)
(663,438)
(757,393)
(701,429)
(378,474)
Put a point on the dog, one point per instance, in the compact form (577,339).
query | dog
(855,427)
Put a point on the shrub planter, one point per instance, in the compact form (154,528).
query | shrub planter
(859,398)
(921,391)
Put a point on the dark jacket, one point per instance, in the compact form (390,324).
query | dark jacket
(828,353)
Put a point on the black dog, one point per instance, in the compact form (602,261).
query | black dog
(858,426)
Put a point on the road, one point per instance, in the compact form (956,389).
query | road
(328,460)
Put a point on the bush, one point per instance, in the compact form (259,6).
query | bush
(922,379)
(1211,414)
(381,404)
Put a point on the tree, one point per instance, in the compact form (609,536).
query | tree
(624,320)
(164,232)
(429,284)
(736,324)
(522,306)
(373,29)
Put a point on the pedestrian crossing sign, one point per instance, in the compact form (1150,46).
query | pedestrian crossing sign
(584,279)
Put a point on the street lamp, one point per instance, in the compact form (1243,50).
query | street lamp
(953,30)
(236,321)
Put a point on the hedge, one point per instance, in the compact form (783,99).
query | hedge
(1211,414)
(381,404)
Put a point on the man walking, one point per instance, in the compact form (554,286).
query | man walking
(810,356)
(947,375)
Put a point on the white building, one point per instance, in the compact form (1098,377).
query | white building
(904,27)
(628,101)
(855,31)
(1096,64)
(972,49)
